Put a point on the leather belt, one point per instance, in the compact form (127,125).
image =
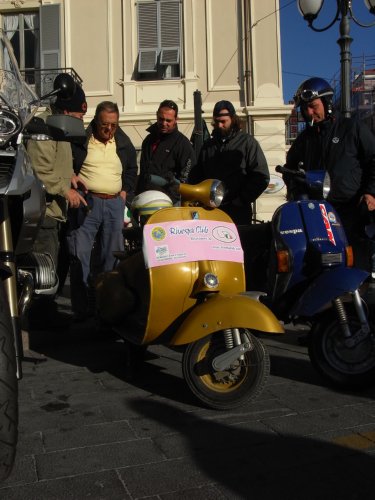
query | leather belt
(105,196)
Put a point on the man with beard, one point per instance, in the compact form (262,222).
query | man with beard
(236,158)
(167,155)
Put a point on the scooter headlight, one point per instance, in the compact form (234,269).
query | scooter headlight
(217,193)
(10,125)
(208,193)
(211,280)
(326,185)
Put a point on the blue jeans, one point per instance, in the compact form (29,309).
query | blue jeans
(106,217)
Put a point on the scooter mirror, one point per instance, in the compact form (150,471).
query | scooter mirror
(65,85)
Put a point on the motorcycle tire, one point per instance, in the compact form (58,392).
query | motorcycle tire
(231,388)
(342,366)
(8,390)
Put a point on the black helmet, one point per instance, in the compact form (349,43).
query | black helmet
(311,89)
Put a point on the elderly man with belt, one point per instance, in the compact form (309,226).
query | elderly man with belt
(108,166)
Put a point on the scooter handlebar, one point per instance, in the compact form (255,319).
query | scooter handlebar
(284,170)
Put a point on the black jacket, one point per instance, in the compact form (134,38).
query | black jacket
(239,162)
(125,151)
(173,158)
(346,148)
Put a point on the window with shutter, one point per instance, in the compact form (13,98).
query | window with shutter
(159,38)
(22,29)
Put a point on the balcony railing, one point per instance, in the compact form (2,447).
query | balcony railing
(41,80)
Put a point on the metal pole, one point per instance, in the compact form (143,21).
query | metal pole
(346,59)
(198,124)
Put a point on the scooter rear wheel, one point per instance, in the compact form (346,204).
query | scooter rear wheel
(339,364)
(8,390)
(223,390)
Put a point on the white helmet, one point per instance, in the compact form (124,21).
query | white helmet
(149,202)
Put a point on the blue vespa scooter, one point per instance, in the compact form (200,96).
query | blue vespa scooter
(301,266)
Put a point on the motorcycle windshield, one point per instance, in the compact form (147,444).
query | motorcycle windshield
(14,91)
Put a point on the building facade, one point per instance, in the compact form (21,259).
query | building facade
(140,52)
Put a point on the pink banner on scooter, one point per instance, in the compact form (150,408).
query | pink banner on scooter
(189,241)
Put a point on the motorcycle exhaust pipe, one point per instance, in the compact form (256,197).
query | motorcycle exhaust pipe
(27,281)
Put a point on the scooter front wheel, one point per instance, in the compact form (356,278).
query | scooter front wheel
(238,384)
(340,363)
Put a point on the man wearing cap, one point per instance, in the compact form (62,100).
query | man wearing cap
(107,163)
(53,164)
(236,158)
(166,154)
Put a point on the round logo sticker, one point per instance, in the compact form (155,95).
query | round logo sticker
(331,217)
(224,234)
(158,234)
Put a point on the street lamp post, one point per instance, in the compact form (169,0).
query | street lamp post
(344,13)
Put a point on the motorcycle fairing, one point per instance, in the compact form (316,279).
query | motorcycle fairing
(332,283)
(221,311)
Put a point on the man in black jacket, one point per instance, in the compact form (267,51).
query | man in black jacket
(167,155)
(345,147)
(236,158)
(107,164)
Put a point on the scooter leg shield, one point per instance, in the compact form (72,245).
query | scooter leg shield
(221,311)
(329,285)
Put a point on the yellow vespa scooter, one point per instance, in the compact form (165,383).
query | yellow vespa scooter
(186,289)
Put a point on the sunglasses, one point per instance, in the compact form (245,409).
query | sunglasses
(309,95)
(305,96)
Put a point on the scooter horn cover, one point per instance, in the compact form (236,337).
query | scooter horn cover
(149,202)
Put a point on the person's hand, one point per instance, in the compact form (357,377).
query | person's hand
(123,195)
(78,183)
(75,199)
(370,201)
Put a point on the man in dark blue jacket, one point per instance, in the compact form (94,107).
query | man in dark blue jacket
(345,147)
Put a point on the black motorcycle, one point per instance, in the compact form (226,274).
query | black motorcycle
(23,273)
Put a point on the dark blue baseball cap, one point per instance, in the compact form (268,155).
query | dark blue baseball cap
(224,108)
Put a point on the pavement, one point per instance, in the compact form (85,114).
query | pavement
(88,431)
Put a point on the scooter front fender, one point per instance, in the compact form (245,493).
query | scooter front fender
(221,311)
(328,286)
